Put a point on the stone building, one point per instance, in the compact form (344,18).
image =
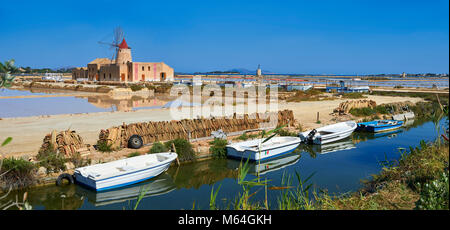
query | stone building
(123,69)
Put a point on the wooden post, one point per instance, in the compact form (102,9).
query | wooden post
(175,149)
(317,117)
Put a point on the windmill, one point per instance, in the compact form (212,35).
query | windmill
(117,39)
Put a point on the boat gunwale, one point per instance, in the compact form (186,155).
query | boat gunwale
(97,179)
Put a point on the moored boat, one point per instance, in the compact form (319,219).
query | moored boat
(379,125)
(329,133)
(123,172)
(255,150)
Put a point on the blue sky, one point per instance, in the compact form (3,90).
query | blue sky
(318,37)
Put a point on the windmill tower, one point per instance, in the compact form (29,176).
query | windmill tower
(122,52)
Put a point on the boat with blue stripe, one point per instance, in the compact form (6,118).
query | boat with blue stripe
(257,150)
(120,173)
(379,125)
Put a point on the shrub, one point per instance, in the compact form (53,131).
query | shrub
(136,87)
(284,132)
(434,195)
(362,112)
(50,159)
(102,146)
(243,137)
(158,147)
(218,148)
(17,173)
(183,148)
(78,161)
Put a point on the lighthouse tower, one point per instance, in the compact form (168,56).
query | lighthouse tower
(123,53)
(258,71)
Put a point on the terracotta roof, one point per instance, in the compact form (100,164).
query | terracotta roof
(123,45)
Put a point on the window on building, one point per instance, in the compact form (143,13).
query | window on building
(142,68)
(149,68)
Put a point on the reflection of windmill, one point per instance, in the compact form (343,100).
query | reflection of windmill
(117,39)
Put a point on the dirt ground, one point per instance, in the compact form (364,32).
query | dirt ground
(28,132)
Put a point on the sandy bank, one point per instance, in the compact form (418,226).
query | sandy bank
(28,132)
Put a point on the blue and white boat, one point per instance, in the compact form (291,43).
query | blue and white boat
(123,172)
(379,125)
(255,150)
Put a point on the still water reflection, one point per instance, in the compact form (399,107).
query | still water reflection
(338,168)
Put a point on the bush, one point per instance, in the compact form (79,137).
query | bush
(136,87)
(102,146)
(51,160)
(183,148)
(78,161)
(158,147)
(434,195)
(242,137)
(284,132)
(362,112)
(17,173)
(218,148)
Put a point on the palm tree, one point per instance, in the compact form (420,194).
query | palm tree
(5,69)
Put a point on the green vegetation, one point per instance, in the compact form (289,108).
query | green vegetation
(183,148)
(158,147)
(50,159)
(134,154)
(17,172)
(102,146)
(5,69)
(368,111)
(244,137)
(434,194)
(218,148)
(284,132)
(136,87)
(78,161)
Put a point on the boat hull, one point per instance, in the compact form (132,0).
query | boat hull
(372,127)
(344,132)
(264,154)
(117,181)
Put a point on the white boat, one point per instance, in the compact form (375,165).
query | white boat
(403,116)
(123,172)
(255,150)
(329,133)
